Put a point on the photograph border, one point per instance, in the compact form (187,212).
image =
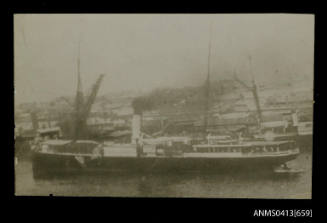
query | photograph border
(227,207)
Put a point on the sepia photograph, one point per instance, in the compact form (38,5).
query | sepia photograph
(164,105)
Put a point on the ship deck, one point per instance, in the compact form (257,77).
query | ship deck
(150,152)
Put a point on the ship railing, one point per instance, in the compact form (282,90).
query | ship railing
(245,149)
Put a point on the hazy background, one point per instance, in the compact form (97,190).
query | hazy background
(139,51)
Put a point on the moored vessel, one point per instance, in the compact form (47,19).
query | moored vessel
(83,156)
(163,154)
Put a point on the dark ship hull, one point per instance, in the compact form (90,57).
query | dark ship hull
(45,164)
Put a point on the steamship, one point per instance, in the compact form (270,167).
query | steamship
(161,154)
(176,154)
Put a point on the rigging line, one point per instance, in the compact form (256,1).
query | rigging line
(24,38)
(22,30)
(251,73)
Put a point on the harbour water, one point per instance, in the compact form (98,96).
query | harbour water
(249,185)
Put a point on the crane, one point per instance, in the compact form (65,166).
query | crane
(82,109)
(88,104)
(254,91)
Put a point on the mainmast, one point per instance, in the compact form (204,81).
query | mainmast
(255,95)
(79,100)
(254,90)
(207,85)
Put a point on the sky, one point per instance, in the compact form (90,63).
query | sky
(147,51)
